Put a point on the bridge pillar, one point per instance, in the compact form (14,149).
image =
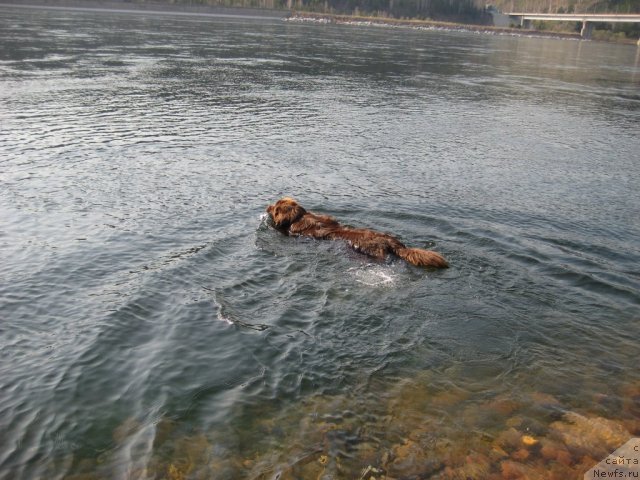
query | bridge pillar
(587,30)
(527,24)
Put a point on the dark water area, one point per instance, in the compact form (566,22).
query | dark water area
(153,325)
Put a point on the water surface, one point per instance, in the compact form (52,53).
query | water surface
(154,326)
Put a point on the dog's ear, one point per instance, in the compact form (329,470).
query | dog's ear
(286,212)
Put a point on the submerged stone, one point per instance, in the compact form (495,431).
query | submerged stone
(410,459)
(509,439)
(518,471)
(631,401)
(594,436)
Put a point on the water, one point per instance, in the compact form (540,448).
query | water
(154,326)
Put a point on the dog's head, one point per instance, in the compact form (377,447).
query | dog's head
(284,212)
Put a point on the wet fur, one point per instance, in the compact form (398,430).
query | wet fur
(291,218)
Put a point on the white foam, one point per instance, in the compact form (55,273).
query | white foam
(222,318)
(220,314)
(373,275)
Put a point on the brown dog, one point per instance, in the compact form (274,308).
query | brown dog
(291,219)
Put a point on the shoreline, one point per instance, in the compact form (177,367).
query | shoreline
(161,8)
(426,25)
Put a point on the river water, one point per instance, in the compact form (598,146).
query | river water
(154,326)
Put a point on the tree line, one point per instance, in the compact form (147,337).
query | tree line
(433,9)
(463,11)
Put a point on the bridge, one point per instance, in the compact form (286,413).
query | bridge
(587,19)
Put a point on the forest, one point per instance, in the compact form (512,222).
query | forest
(426,8)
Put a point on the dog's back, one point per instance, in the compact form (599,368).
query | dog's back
(290,218)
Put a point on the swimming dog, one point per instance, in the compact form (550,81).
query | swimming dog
(290,218)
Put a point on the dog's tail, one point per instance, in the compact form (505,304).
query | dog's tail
(422,258)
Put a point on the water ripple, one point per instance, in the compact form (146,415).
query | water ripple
(154,325)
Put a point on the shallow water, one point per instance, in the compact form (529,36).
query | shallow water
(155,326)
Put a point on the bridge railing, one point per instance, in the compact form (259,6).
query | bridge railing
(587,19)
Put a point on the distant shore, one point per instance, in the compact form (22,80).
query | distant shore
(424,25)
(124,6)
(148,7)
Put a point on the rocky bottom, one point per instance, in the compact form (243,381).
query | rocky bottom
(410,432)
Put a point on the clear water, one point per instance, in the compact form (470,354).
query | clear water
(154,326)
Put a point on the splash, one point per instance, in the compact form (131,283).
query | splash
(373,275)
(220,316)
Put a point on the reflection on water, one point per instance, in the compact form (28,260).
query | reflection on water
(154,326)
